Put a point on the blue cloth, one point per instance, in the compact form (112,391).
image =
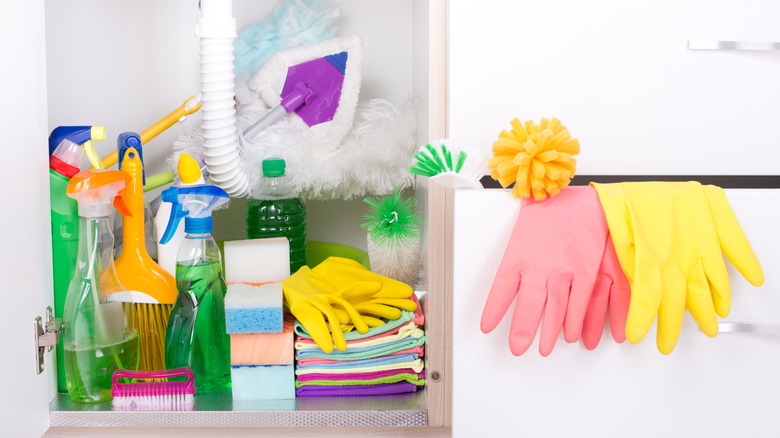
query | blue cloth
(292,23)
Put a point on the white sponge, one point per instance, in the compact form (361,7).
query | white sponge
(257,260)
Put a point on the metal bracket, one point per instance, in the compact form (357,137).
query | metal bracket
(47,335)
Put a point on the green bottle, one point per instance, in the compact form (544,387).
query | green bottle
(196,335)
(63,165)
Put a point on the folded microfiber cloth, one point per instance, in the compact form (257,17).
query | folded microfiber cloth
(364,353)
(409,330)
(306,361)
(401,377)
(386,389)
(354,376)
(344,365)
(417,365)
(389,326)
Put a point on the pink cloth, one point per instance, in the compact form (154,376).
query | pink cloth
(315,361)
(358,376)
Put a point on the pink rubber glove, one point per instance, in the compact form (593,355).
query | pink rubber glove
(550,264)
(611,289)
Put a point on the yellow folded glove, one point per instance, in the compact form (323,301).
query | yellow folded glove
(387,302)
(668,237)
(309,296)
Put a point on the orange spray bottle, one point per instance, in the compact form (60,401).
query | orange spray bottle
(154,289)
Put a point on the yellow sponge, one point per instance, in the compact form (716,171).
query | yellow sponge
(539,159)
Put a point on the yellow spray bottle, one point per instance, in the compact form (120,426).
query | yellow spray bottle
(154,288)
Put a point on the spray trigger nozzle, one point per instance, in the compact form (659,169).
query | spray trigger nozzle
(195,203)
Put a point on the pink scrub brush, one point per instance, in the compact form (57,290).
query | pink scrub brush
(151,395)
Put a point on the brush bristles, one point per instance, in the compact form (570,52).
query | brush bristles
(168,402)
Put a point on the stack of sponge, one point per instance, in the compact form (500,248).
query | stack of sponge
(261,342)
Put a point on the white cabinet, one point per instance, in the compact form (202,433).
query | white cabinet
(124,65)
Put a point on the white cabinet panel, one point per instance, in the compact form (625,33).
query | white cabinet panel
(619,75)
(26,242)
(726,386)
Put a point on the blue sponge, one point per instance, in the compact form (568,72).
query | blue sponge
(254,309)
(263,382)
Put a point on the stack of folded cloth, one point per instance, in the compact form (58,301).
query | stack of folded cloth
(386,360)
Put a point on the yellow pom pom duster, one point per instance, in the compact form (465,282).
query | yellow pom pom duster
(537,158)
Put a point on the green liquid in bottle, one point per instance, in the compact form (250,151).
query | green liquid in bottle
(196,334)
(91,367)
(279,218)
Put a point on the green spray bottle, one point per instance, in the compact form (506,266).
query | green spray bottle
(67,147)
(196,335)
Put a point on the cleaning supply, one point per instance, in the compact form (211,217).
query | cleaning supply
(394,237)
(314,22)
(253,308)
(611,290)
(456,167)
(388,302)
(150,393)
(263,382)
(260,342)
(311,89)
(196,335)
(241,260)
(154,288)
(669,237)
(83,135)
(98,332)
(549,267)
(264,348)
(189,175)
(311,299)
(64,163)
(125,141)
(537,158)
(189,106)
(278,212)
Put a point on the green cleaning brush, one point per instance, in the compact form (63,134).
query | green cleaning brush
(458,167)
(394,237)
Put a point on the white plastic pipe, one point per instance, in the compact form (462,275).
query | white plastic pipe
(217,30)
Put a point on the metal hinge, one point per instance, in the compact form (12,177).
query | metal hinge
(47,335)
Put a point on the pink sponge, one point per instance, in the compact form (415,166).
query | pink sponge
(264,348)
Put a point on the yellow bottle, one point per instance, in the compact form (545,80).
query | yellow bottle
(154,289)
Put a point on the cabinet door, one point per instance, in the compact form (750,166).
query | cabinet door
(621,77)
(26,250)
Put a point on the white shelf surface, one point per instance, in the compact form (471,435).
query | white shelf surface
(219,410)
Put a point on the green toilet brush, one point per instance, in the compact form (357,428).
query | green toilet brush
(394,237)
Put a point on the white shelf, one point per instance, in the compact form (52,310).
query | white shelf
(219,410)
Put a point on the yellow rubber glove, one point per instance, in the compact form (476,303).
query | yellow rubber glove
(668,237)
(311,299)
(387,302)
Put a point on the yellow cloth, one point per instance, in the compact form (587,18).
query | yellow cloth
(668,237)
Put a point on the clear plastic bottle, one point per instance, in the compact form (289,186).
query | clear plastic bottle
(196,335)
(278,212)
(99,315)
